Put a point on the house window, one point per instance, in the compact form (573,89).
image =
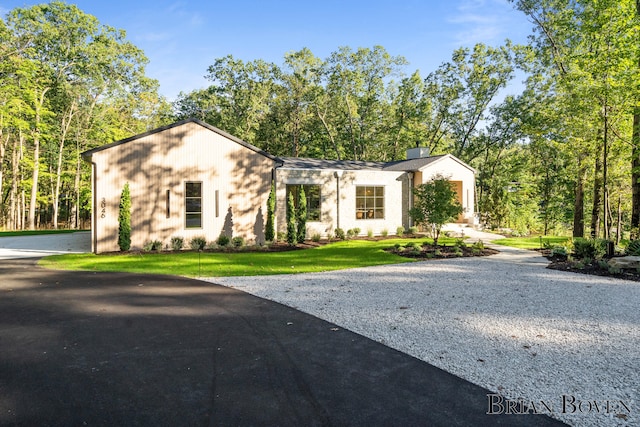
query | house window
(312,194)
(369,202)
(193,204)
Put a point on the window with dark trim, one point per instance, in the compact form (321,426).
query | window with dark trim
(193,204)
(313,196)
(168,206)
(369,202)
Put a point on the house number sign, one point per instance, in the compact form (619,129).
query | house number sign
(103,208)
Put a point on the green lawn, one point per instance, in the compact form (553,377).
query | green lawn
(334,256)
(35,232)
(531,242)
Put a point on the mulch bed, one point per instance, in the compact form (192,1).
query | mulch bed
(439,252)
(562,264)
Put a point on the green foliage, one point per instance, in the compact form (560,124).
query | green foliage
(435,204)
(176,243)
(153,245)
(238,241)
(292,237)
(589,248)
(124,219)
(633,248)
(369,233)
(384,233)
(269,232)
(316,237)
(301,215)
(198,243)
(339,232)
(400,231)
(223,240)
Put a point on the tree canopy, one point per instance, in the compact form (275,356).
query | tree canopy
(562,154)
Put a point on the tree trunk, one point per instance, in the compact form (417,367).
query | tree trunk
(635,176)
(597,197)
(578,206)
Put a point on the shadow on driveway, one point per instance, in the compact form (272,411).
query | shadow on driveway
(127,349)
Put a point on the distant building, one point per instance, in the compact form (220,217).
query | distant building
(191,179)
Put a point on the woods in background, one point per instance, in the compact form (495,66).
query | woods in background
(548,126)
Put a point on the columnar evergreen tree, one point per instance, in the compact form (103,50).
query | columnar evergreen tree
(301,215)
(292,237)
(270,232)
(124,219)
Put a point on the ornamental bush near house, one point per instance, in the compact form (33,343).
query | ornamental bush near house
(124,220)
(176,243)
(301,216)
(238,241)
(292,237)
(340,234)
(198,243)
(400,231)
(269,232)
(223,240)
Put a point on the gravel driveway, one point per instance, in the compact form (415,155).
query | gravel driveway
(568,343)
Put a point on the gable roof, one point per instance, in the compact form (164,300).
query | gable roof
(422,163)
(87,154)
(308,163)
(396,166)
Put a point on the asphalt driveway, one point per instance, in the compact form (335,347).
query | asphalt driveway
(84,348)
(44,244)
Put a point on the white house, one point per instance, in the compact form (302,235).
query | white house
(191,179)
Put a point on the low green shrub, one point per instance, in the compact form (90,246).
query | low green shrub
(384,233)
(223,240)
(460,243)
(340,234)
(198,243)
(238,241)
(479,245)
(633,248)
(176,243)
(413,230)
(316,237)
(153,245)
(589,248)
(369,233)
(411,245)
(399,231)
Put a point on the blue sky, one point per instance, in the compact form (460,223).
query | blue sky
(182,38)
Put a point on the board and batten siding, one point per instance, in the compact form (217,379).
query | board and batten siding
(164,161)
(339,210)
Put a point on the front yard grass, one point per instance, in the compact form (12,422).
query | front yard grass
(537,242)
(334,256)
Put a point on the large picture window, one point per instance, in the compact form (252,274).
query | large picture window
(193,205)
(312,194)
(369,202)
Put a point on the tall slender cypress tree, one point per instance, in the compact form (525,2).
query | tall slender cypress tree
(124,219)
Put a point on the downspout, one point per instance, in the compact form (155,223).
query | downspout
(337,175)
(94,204)
(410,176)
(278,164)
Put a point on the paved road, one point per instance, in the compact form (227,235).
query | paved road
(44,245)
(86,348)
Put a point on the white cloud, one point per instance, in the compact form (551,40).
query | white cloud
(481,21)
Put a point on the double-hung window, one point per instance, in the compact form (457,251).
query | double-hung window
(369,202)
(193,204)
